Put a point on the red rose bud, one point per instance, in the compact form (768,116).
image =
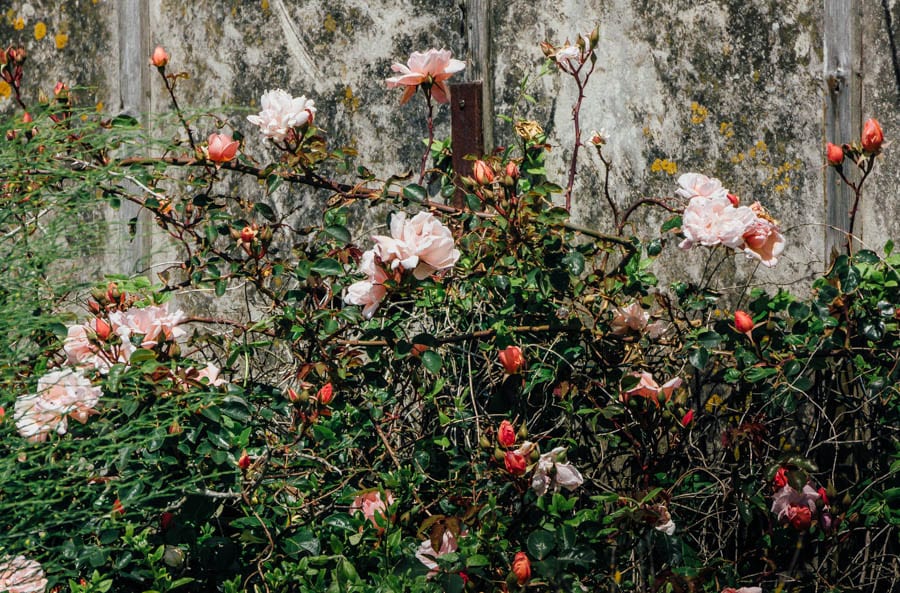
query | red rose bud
(823,495)
(165,521)
(512,170)
(506,434)
(103,329)
(61,88)
(2,413)
(872,136)
(244,461)
(735,200)
(781,479)
(743,322)
(800,517)
(27,119)
(515,463)
(248,233)
(687,418)
(834,154)
(292,395)
(512,359)
(521,567)
(117,508)
(325,394)
(159,58)
(483,172)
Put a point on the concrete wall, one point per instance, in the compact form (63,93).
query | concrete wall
(732,88)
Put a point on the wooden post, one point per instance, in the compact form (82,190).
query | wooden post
(843,114)
(466,131)
(478,38)
(130,252)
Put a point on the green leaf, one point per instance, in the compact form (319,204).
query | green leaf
(141,355)
(338,232)
(221,286)
(273,182)
(698,358)
(432,361)
(328,267)
(265,211)
(540,543)
(303,541)
(672,223)
(755,374)
(415,193)
(574,262)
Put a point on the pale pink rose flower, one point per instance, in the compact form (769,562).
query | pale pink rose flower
(78,348)
(59,394)
(370,292)
(432,67)
(427,554)
(552,474)
(668,527)
(787,497)
(696,184)
(281,113)
(21,575)
(632,318)
(211,373)
(150,323)
(422,244)
(763,239)
(742,590)
(569,58)
(373,507)
(650,389)
(715,221)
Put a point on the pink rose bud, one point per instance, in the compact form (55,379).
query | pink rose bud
(165,521)
(781,479)
(483,172)
(512,170)
(521,567)
(2,413)
(687,418)
(823,495)
(735,200)
(26,119)
(512,359)
(248,233)
(244,461)
(103,329)
(221,148)
(117,508)
(872,136)
(506,434)
(515,463)
(325,394)
(61,88)
(834,154)
(743,322)
(159,58)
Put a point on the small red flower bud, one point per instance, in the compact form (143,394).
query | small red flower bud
(823,495)
(512,170)
(165,521)
(117,508)
(687,418)
(800,517)
(483,172)
(521,567)
(506,434)
(292,395)
(2,413)
(244,461)
(872,136)
(743,322)
(515,463)
(834,154)
(781,479)
(512,359)
(221,148)
(103,329)
(159,58)
(325,394)
(248,233)
(735,200)
(27,119)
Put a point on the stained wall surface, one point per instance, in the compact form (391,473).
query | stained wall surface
(731,88)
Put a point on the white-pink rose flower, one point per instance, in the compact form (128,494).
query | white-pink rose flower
(427,554)
(370,292)
(211,373)
(552,474)
(787,497)
(150,324)
(432,67)
(696,184)
(373,507)
(281,114)
(763,239)
(632,318)
(715,221)
(59,394)
(21,575)
(650,389)
(422,244)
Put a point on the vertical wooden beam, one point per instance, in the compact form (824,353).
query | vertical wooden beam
(478,38)
(130,252)
(843,113)
(466,132)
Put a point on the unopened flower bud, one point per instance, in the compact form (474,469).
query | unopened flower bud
(834,154)
(103,329)
(325,394)
(872,136)
(244,461)
(512,170)
(743,322)
(506,434)
(292,395)
(26,119)
(734,199)
(521,567)
(548,49)
(512,359)
(159,58)
(248,233)
(483,173)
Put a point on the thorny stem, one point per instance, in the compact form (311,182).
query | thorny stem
(430,120)
(576,117)
(170,87)
(857,191)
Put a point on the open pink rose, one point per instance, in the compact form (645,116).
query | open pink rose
(21,575)
(650,389)
(632,318)
(282,114)
(715,221)
(427,554)
(368,293)
(373,507)
(149,325)
(697,184)
(763,239)
(59,394)
(431,69)
(552,474)
(422,244)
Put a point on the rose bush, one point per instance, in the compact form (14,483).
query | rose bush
(339,434)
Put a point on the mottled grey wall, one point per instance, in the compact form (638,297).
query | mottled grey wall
(732,88)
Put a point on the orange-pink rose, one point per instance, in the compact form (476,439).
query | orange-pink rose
(429,69)
(373,507)
(221,148)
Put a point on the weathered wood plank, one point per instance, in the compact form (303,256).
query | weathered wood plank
(480,66)
(843,112)
(466,132)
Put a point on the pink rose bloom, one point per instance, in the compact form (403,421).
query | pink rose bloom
(422,244)
(221,148)
(552,474)
(373,507)
(632,318)
(430,68)
(651,390)
(569,58)
(797,507)
(211,373)
(763,239)
(368,293)
(715,221)
(281,114)
(78,348)
(59,394)
(150,323)
(427,554)
(21,575)
(695,184)
(742,590)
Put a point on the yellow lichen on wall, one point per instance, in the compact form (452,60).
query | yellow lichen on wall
(664,166)
(726,128)
(19,24)
(5,89)
(350,100)
(699,113)
(61,40)
(330,24)
(40,30)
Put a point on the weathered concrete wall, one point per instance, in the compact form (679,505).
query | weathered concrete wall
(731,88)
